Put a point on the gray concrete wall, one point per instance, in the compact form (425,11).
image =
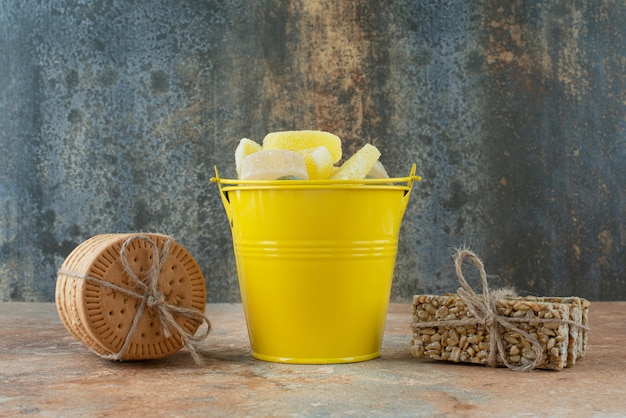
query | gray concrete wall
(113,114)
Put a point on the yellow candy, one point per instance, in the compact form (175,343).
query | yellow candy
(300,140)
(273,165)
(246,147)
(319,162)
(357,166)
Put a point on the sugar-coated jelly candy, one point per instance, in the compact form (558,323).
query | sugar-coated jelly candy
(246,147)
(357,166)
(319,162)
(273,165)
(377,171)
(299,140)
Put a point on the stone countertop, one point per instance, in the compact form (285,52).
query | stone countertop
(44,371)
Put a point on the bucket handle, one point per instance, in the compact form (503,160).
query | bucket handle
(223,195)
(403,204)
(411,179)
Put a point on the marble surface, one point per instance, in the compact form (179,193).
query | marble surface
(45,372)
(114,113)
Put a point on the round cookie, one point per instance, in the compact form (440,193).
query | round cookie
(102,317)
(66,291)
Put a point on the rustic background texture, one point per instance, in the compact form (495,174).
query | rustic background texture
(113,114)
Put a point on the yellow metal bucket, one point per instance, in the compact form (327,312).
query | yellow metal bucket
(315,260)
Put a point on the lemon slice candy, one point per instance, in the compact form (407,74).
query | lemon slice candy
(377,171)
(246,147)
(357,166)
(319,162)
(273,165)
(300,140)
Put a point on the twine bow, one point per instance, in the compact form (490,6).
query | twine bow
(484,311)
(149,295)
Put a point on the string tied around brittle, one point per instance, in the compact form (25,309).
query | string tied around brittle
(149,295)
(483,311)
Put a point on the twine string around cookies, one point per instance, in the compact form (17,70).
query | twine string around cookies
(149,295)
(483,310)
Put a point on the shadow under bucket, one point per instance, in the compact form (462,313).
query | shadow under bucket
(315,260)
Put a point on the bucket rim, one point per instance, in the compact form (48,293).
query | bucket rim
(234,184)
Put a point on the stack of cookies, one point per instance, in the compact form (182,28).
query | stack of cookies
(103,295)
